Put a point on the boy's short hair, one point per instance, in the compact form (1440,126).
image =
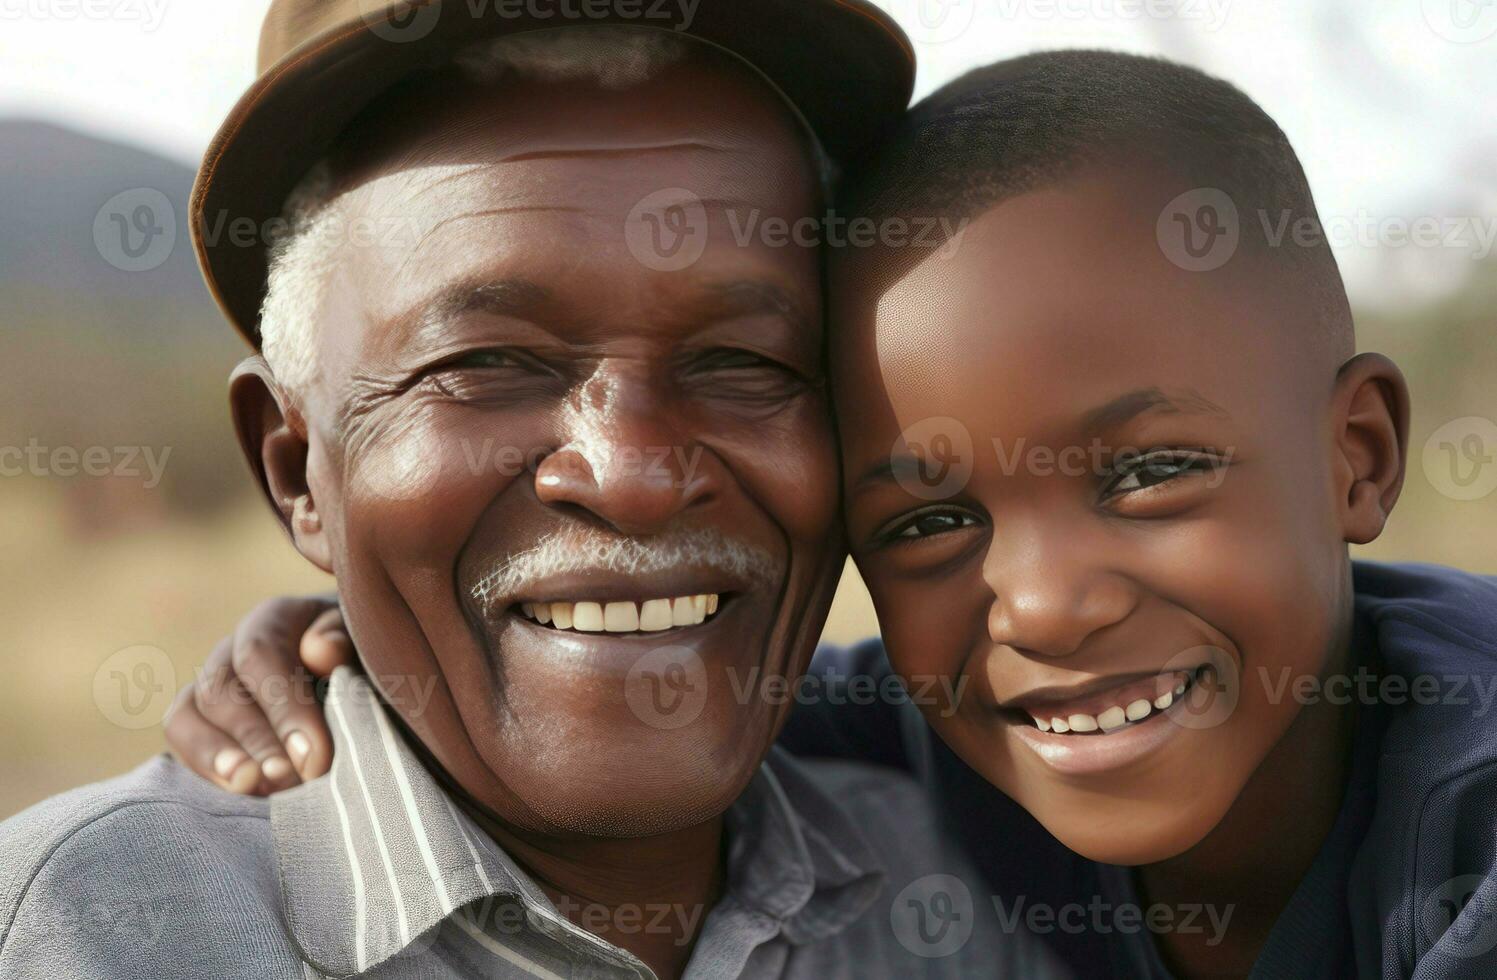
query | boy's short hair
(1033,121)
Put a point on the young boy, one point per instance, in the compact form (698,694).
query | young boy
(1131,441)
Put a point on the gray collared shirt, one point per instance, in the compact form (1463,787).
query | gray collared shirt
(833,871)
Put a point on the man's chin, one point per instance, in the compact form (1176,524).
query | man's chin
(641,786)
(607,812)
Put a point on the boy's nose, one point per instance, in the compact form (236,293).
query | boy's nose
(1047,597)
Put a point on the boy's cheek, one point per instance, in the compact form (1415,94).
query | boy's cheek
(923,623)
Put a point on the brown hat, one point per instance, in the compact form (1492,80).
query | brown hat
(844,64)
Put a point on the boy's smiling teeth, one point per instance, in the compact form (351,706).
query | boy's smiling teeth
(1110,719)
(650,616)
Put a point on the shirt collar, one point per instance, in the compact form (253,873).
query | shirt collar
(374,855)
(795,855)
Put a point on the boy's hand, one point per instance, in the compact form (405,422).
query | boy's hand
(251,722)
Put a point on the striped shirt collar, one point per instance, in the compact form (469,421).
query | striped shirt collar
(375,855)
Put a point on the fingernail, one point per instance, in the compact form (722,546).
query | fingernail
(299,747)
(227,761)
(245,778)
(276,769)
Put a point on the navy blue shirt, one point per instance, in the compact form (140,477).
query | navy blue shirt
(1405,884)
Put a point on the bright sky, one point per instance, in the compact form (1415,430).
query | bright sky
(1392,107)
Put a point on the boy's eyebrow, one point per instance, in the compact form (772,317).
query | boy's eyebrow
(1127,407)
(1124,408)
(893,468)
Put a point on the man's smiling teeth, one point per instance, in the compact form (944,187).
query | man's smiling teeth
(650,616)
(1109,720)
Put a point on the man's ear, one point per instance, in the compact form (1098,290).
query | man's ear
(273,435)
(1371,441)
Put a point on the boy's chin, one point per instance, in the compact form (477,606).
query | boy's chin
(1149,846)
(1134,832)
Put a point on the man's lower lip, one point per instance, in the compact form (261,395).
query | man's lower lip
(1084,755)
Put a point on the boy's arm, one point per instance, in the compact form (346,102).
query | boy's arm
(851,706)
(250,721)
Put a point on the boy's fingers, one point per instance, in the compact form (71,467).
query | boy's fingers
(224,702)
(325,645)
(207,750)
(266,660)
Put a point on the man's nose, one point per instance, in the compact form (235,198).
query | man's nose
(626,461)
(1050,591)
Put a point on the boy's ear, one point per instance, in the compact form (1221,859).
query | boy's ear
(273,435)
(1372,439)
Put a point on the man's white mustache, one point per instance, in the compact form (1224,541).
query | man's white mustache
(571,553)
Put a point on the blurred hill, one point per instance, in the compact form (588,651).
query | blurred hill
(55,182)
(98,356)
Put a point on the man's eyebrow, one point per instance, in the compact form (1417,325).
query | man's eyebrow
(498,297)
(1127,407)
(746,297)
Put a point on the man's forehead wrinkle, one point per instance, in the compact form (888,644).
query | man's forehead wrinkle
(427,233)
(613,149)
(420,164)
(441,175)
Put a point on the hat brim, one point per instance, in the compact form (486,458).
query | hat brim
(844,64)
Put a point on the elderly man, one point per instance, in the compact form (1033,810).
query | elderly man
(578,490)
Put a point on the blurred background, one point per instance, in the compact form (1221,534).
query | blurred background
(130,540)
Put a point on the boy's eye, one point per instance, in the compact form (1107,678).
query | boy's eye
(929,523)
(1152,469)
